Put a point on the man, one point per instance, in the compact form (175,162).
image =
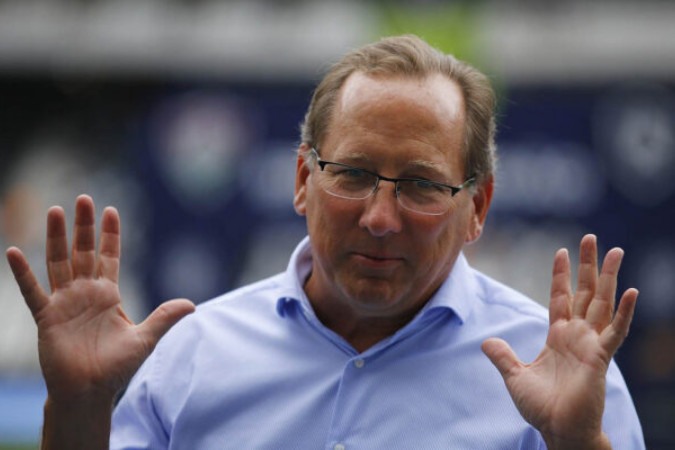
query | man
(371,339)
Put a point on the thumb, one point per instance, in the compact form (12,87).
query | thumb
(162,319)
(502,356)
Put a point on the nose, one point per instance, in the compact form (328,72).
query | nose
(381,214)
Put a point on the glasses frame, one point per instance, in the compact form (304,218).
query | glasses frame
(454,190)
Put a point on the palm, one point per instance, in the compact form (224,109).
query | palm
(86,343)
(554,388)
(562,392)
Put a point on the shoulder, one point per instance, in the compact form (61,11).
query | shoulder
(498,296)
(223,318)
(501,311)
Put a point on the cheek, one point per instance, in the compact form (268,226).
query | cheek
(444,238)
(330,218)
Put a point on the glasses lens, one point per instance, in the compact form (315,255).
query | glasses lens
(425,197)
(347,182)
(421,196)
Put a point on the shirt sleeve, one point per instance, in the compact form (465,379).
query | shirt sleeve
(620,420)
(135,422)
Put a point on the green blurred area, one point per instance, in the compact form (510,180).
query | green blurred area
(19,447)
(450,27)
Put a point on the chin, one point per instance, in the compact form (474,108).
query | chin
(375,295)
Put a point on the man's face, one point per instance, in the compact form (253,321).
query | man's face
(373,258)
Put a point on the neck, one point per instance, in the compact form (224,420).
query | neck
(362,333)
(360,328)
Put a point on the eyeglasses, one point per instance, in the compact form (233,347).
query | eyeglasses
(414,194)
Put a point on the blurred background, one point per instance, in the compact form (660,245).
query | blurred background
(185,116)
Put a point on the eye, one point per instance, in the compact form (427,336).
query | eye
(352,173)
(426,185)
(346,172)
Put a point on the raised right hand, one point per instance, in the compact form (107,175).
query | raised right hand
(88,347)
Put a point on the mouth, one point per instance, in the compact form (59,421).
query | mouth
(377,260)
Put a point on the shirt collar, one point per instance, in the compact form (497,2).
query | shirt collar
(456,292)
(299,268)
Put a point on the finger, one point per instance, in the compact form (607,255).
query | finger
(58,265)
(587,275)
(84,237)
(34,296)
(109,245)
(602,307)
(162,319)
(613,336)
(561,290)
(502,357)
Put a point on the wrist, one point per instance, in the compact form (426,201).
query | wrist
(83,423)
(600,442)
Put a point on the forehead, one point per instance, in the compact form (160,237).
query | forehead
(398,118)
(433,92)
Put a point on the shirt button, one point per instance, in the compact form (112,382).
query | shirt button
(359,363)
(339,447)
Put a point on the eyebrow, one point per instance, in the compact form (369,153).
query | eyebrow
(423,164)
(354,158)
(434,171)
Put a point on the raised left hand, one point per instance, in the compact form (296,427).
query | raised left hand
(562,392)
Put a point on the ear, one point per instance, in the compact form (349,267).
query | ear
(301,174)
(481,203)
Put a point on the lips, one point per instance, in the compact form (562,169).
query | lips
(377,256)
(377,260)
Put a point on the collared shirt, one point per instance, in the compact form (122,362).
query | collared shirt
(256,369)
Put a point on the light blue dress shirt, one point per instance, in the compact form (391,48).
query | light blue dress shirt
(256,369)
